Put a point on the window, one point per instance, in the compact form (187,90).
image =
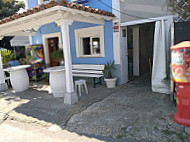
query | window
(91,45)
(90,42)
(124,32)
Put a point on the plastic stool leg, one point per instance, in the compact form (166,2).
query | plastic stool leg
(75,87)
(86,89)
(79,90)
(82,88)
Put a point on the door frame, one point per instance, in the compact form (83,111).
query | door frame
(45,44)
(125,25)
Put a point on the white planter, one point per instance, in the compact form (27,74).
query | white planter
(111,82)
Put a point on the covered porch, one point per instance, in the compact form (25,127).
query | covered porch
(63,14)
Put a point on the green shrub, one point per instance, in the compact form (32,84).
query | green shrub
(108,69)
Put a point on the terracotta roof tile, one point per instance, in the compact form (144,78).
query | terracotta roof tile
(53,3)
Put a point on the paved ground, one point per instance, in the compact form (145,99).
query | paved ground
(132,111)
(13,131)
(128,113)
(38,106)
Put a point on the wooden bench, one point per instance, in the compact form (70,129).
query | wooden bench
(89,70)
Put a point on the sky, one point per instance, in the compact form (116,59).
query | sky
(21,10)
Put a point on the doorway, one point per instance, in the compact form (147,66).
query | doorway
(140,39)
(146,40)
(130,53)
(53,46)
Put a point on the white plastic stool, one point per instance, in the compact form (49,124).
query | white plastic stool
(79,83)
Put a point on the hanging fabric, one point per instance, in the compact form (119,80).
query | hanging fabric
(159,59)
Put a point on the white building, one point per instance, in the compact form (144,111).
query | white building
(145,29)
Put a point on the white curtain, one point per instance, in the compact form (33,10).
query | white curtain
(159,71)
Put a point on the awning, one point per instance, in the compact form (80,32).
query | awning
(20,41)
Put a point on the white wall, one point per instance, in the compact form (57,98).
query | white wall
(124,58)
(26,3)
(116,35)
(136,51)
(142,8)
(120,47)
(40,1)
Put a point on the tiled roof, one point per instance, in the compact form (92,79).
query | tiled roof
(53,3)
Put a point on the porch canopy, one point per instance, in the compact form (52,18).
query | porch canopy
(63,13)
(20,41)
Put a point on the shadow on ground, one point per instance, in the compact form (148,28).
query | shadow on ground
(37,103)
(130,112)
(133,111)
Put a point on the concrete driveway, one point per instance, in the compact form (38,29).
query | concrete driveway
(129,112)
(133,111)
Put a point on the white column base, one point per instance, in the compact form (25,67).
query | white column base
(70,98)
(3,87)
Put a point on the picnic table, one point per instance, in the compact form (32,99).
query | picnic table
(19,77)
(57,80)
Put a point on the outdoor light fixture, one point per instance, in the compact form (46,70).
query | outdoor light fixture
(30,30)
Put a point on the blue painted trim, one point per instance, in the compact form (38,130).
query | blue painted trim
(92,3)
(32,3)
(108,44)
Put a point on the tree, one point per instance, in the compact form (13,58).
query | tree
(9,7)
(180,7)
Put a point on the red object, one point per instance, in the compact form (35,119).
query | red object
(180,68)
(116,27)
(180,62)
(183,104)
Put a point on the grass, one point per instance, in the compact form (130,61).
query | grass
(167,132)
(180,136)
(156,128)
(120,136)
(169,140)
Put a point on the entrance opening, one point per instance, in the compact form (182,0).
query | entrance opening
(146,47)
(140,40)
(52,46)
(130,53)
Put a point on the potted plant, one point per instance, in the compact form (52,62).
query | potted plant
(58,55)
(109,79)
(6,57)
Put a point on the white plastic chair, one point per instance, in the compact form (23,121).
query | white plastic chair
(79,83)
(7,79)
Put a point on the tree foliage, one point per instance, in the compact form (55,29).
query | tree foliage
(9,7)
(180,7)
(7,56)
